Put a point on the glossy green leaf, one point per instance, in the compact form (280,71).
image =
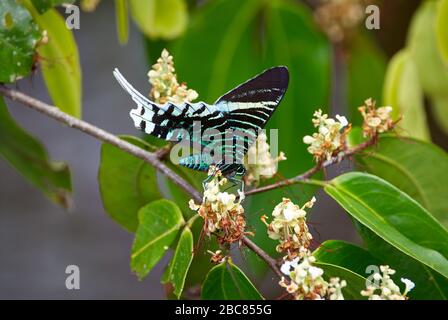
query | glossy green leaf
(355,282)
(59,60)
(29,157)
(402,91)
(180,264)
(159,223)
(442,29)
(345,255)
(165,19)
(19,36)
(227,282)
(429,284)
(418,168)
(122,20)
(433,72)
(366,68)
(393,216)
(126,183)
(44,5)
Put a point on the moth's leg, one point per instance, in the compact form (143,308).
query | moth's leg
(240,173)
(236,181)
(207,180)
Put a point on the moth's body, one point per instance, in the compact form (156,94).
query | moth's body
(235,119)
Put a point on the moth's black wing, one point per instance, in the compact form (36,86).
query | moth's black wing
(162,121)
(248,107)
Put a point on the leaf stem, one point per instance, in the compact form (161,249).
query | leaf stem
(304,178)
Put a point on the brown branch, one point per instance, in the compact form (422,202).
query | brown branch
(322,165)
(100,134)
(272,263)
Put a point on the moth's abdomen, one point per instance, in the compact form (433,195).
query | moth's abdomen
(200,162)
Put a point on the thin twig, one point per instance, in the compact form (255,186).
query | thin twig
(308,174)
(100,134)
(272,263)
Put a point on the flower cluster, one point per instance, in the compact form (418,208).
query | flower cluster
(338,18)
(222,214)
(330,139)
(386,289)
(306,281)
(259,163)
(290,228)
(165,87)
(376,120)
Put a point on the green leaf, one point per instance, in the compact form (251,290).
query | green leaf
(59,61)
(418,168)
(345,255)
(165,19)
(442,29)
(227,282)
(422,42)
(429,284)
(366,66)
(126,183)
(28,156)
(346,261)
(19,36)
(122,20)
(159,223)
(403,92)
(180,264)
(393,216)
(44,5)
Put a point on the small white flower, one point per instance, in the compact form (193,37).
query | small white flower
(315,272)
(192,205)
(287,265)
(289,214)
(308,139)
(342,120)
(409,285)
(224,197)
